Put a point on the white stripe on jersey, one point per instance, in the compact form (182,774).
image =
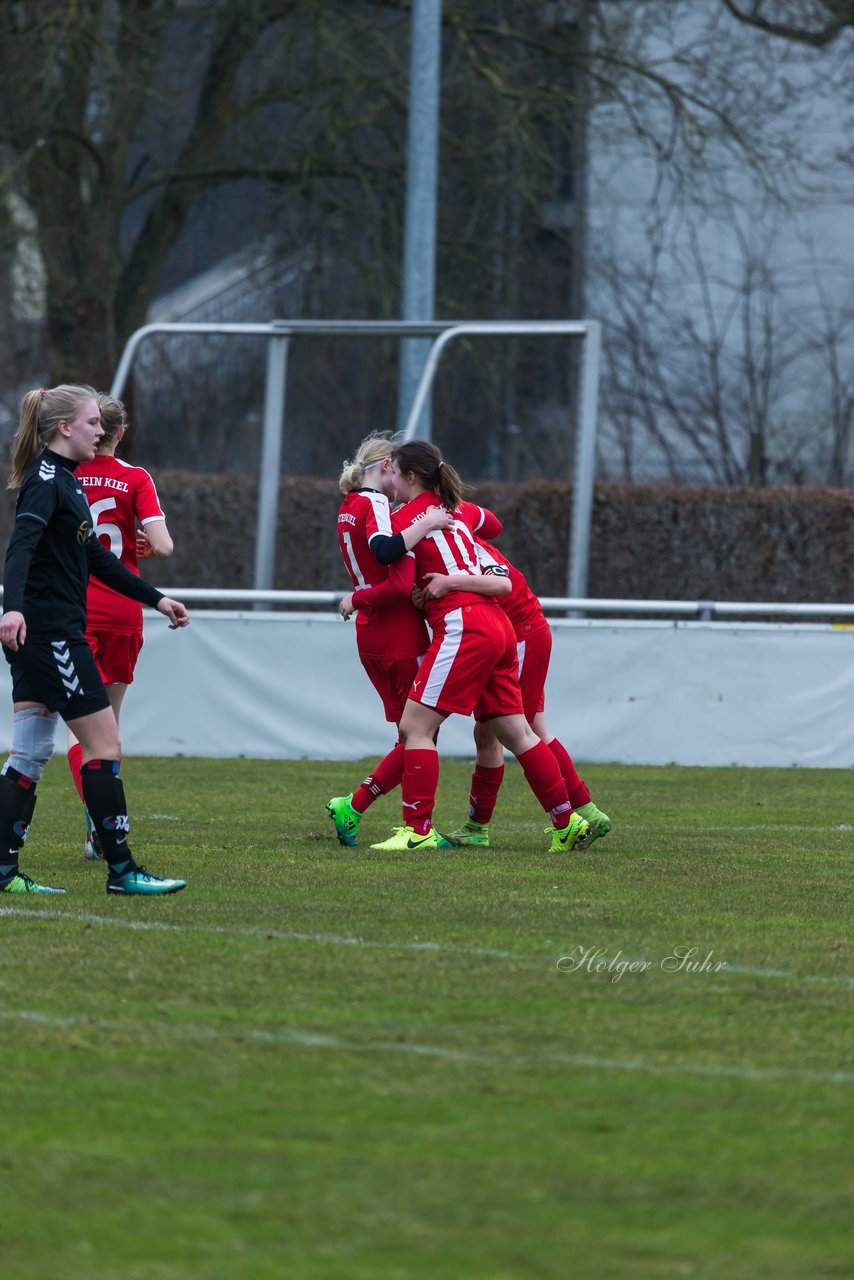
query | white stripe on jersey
(485,558)
(448,650)
(382,512)
(520,657)
(354,563)
(461,535)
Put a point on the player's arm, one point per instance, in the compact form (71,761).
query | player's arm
(481,520)
(26,536)
(390,547)
(110,570)
(154,540)
(494,581)
(400,581)
(490,526)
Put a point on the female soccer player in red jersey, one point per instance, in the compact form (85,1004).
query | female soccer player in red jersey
(533,647)
(391,635)
(122,499)
(471,664)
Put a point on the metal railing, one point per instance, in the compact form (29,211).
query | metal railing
(704,610)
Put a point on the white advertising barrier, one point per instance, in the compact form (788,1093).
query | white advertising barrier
(277,685)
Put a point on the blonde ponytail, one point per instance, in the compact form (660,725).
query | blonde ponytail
(41,413)
(374,448)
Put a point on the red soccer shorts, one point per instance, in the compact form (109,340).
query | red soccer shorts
(392,679)
(471,665)
(534,649)
(115,653)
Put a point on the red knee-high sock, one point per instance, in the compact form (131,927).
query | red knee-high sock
(576,787)
(75,762)
(546,781)
(385,777)
(420,780)
(485,785)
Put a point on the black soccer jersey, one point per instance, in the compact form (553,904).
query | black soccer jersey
(52,551)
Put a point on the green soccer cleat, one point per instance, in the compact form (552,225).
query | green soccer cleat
(345,817)
(23,884)
(142,883)
(91,843)
(470,833)
(405,839)
(572,836)
(600,823)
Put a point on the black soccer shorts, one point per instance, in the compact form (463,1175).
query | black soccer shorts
(61,674)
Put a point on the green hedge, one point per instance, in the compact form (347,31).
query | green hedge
(647,542)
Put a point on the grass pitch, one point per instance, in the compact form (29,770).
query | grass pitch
(320,1062)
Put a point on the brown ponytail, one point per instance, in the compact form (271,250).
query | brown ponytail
(113,418)
(425,460)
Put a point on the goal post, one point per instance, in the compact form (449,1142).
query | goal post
(442,333)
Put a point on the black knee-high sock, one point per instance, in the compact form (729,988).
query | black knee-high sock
(17,802)
(105,800)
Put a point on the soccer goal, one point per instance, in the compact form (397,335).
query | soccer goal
(441,334)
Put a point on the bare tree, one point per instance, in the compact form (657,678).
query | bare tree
(120,115)
(732,364)
(828,343)
(119,119)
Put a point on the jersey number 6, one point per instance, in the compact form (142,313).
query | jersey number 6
(112,531)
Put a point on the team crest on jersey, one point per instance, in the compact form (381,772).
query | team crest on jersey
(47,470)
(83,534)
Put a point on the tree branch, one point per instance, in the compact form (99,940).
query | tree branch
(824,35)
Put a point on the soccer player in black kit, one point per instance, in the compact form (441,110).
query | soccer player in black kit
(51,553)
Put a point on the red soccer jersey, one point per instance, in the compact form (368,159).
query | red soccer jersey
(121,498)
(521,606)
(393,628)
(441,551)
(481,520)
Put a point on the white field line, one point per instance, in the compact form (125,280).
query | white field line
(315,1040)
(766,826)
(347,940)
(258,931)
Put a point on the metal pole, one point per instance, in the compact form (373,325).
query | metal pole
(422,163)
(271,463)
(585,463)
